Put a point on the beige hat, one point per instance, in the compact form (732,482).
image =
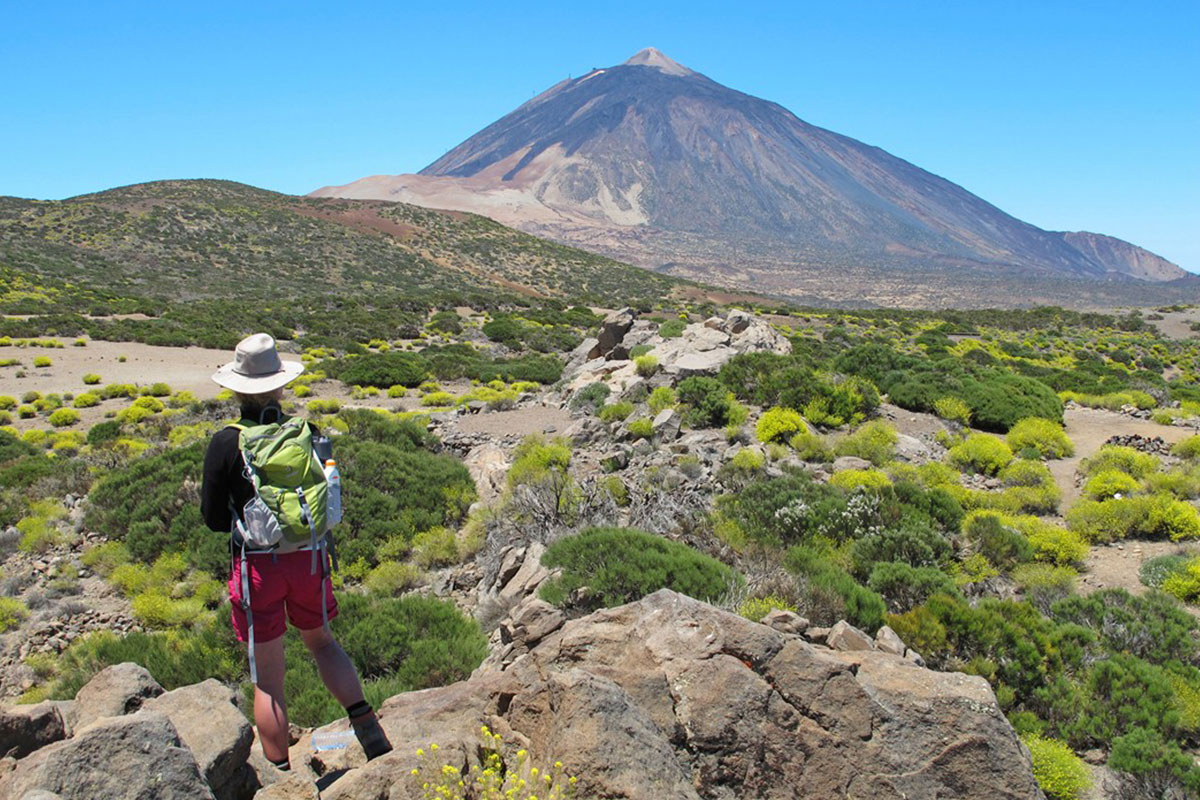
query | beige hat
(256,367)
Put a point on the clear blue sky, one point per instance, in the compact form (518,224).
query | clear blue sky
(1070,115)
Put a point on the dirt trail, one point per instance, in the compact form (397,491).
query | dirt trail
(1089,428)
(1115,565)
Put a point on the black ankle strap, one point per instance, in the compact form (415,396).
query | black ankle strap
(359,709)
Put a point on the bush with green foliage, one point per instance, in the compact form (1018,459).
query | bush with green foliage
(12,613)
(642,428)
(63,417)
(390,578)
(779,424)
(1124,459)
(1183,581)
(709,403)
(875,441)
(1154,572)
(952,409)
(1060,773)
(616,412)
(1110,483)
(867,480)
(672,328)
(1043,435)
(829,593)
(811,446)
(91,379)
(981,453)
(1044,584)
(1188,448)
(620,565)
(904,586)
(1149,516)
(646,365)
(661,398)
(591,396)
(755,608)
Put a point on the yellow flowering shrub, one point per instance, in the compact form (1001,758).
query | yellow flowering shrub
(499,778)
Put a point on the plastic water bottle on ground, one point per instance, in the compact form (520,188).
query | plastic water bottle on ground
(332,740)
(333,505)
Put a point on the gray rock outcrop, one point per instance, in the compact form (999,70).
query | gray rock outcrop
(209,723)
(671,698)
(24,729)
(134,757)
(113,691)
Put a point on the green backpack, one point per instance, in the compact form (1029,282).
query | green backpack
(288,509)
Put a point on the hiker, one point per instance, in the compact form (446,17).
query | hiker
(289,577)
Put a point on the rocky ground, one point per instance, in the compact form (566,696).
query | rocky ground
(712,705)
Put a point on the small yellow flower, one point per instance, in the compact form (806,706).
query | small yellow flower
(415,772)
(433,747)
(420,752)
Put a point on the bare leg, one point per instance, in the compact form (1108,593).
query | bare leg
(336,668)
(270,708)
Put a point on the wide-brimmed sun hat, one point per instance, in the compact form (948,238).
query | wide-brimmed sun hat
(256,367)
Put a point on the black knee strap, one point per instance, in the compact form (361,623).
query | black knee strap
(359,709)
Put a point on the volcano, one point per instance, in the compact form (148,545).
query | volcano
(656,164)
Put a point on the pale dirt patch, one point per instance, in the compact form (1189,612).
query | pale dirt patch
(1117,565)
(517,422)
(1088,429)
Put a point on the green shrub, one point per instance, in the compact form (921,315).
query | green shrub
(63,417)
(26,412)
(905,586)
(435,548)
(7,402)
(755,608)
(106,557)
(981,453)
(870,480)
(1151,626)
(41,361)
(662,398)
(1060,773)
(709,403)
(620,565)
(1184,583)
(810,446)
(1044,584)
(1145,753)
(779,424)
(91,379)
(1003,546)
(328,406)
(875,441)
(615,412)
(1046,436)
(591,396)
(953,409)
(439,399)
(1125,459)
(672,329)
(1188,448)
(1155,571)
(104,432)
(1155,516)
(830,593)
(12,613)
(391,578)
(158,389)
(384,370)
(1110,483)
(86,400)
(396,390)
(914,542)
(642,428)
(646,365)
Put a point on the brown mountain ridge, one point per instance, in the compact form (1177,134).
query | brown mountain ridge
(658,165)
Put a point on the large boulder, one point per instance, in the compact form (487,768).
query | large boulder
(24,729)
(671,698)
(613,330)
(134,757)
(209,723)
(113,691)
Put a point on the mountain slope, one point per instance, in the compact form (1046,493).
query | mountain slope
(188,239)
(1120,256)
(669,169)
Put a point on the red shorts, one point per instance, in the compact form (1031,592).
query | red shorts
(279,584)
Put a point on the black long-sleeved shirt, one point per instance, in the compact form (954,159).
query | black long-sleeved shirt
(223,480)
(224,472)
